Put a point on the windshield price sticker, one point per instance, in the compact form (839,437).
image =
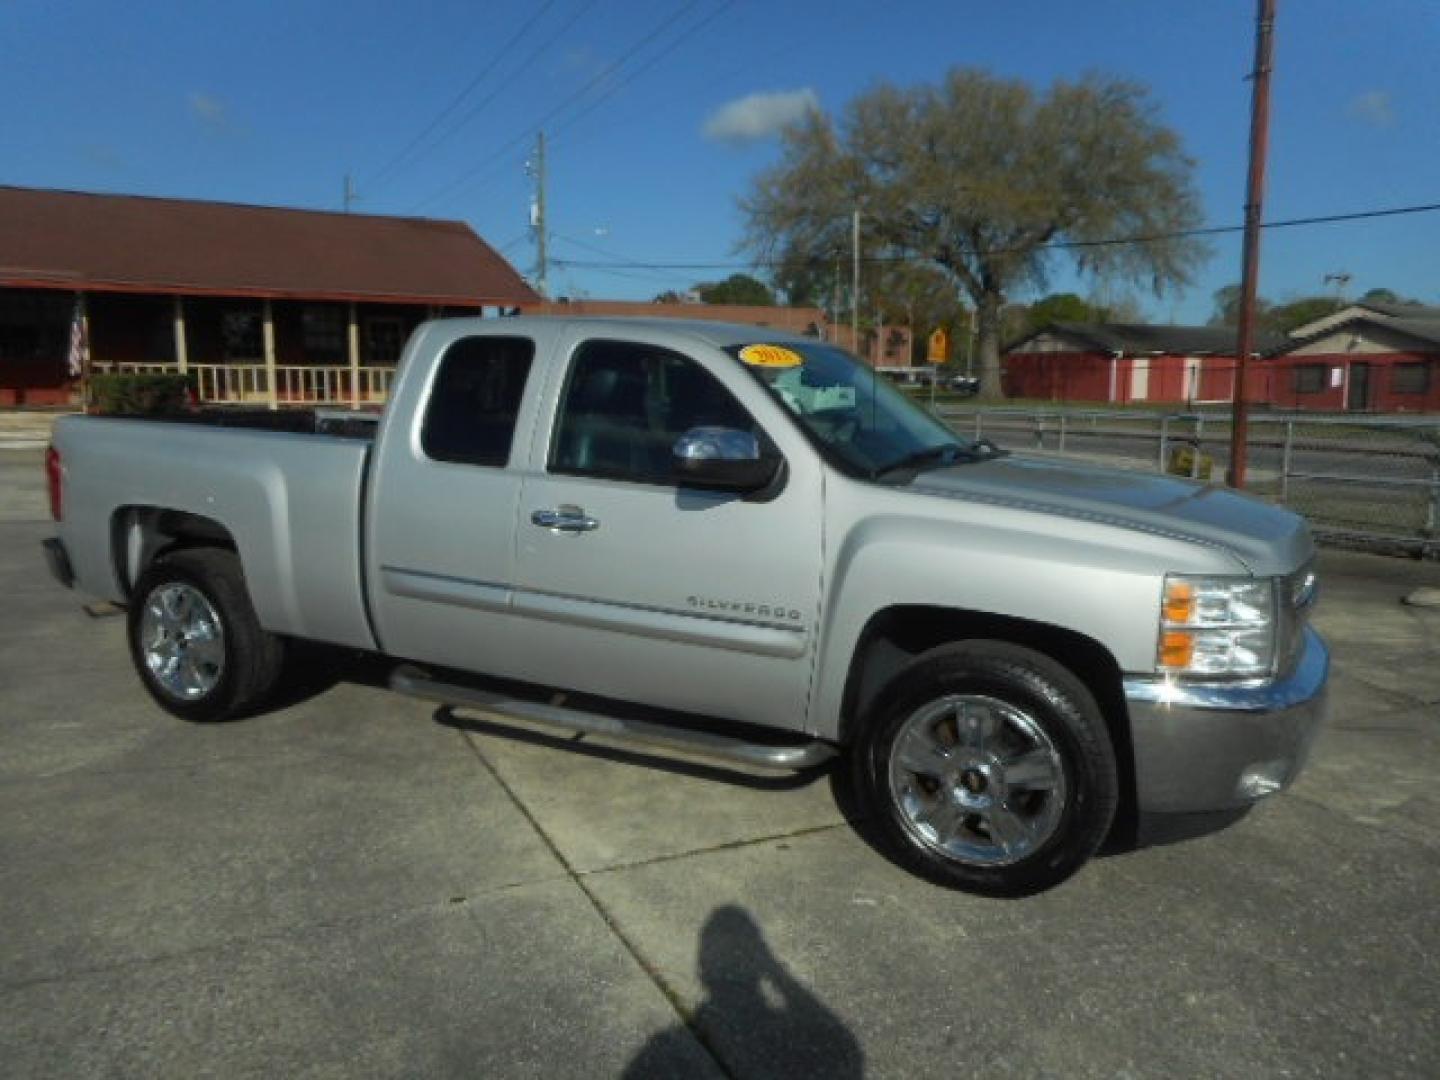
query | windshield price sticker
(771,356)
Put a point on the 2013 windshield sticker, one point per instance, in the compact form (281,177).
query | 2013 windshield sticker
(771,356)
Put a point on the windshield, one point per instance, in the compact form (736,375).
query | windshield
(854,414)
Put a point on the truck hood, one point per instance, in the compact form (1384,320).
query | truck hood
(1266,538)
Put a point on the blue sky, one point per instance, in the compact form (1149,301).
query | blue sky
(276,102)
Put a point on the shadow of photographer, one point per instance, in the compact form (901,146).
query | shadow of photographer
(757,1019)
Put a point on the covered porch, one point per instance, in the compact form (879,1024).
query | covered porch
(273,353)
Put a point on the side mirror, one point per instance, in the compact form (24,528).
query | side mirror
(722,458)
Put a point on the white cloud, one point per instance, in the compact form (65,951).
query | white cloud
(1372,107)
(759,116)
(210,111)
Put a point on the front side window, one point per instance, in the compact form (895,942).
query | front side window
(625,405)
(241,335)
(1310,379)
(323,331)
(1410,378)
(475,399)
(858,419)
(384,338)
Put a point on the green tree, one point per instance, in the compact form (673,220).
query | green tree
(982,177)
(1062,307)
(804,282)
(1282,318)
(921,297)
(1390,296)
(736,289)
(1227,308)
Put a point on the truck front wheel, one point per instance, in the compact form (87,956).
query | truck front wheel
(195,640)
(987,767)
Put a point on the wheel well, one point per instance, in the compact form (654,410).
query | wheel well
(895,636)
(142,534)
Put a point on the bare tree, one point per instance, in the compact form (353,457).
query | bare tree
(983,178)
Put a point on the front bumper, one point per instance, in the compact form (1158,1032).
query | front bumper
(58,559)
(1203,747)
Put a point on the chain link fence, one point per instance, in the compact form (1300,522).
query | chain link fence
(1369,481)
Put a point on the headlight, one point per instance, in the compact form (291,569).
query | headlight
(1217,626)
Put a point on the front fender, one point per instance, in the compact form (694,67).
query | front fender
(1100,581)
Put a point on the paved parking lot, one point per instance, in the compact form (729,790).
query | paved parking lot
(361,885)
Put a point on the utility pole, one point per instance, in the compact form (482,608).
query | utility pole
(537,221)
(1254,202)
(835,300)
(855,282)
(350,196)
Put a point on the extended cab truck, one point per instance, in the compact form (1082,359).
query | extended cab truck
(739,543)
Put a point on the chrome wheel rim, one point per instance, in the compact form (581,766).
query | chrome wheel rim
(182,641)
(977,780)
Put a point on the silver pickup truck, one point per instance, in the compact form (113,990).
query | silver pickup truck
(739,544)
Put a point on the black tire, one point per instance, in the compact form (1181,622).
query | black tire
(1030,707)
(252,658)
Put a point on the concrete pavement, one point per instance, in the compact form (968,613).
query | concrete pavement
(363,885)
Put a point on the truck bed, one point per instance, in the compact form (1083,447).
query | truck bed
(289,500)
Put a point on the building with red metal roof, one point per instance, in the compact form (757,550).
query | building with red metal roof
(257,303)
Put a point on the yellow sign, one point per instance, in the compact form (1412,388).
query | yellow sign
(770,356)
(939,350)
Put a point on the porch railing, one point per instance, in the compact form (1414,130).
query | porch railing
(249,384)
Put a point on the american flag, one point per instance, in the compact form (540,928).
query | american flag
(75,359)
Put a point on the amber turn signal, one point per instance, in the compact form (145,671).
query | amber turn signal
(1179,601)
(1177,649)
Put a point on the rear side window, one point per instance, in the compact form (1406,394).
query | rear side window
(471,415)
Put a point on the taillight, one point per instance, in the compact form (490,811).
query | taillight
(53,481)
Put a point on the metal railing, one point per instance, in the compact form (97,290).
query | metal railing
(1372,480)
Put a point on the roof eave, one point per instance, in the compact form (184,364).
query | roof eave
(252,292)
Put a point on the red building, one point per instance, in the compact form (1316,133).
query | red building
(260,304)
(1124,363)
(1364,358)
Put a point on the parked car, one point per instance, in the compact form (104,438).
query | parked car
(965,384)
(736,543)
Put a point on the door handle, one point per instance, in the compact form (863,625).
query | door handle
(564,519)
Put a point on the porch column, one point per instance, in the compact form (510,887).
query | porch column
(352,339)
(87,356)
(267,328)
(182,356)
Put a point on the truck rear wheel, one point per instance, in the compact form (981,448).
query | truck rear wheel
(987,767)
(194,638)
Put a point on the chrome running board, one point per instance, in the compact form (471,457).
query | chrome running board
(787,757)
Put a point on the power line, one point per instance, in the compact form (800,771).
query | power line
(1057,245)
(570,122)
(614,271)
(485,70)
(619,260)
(604,74)
(503,248)
(524,65)
(633,275)
(674,44)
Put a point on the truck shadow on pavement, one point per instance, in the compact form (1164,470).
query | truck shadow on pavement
(756,1020)
(315,669)
(312,669)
